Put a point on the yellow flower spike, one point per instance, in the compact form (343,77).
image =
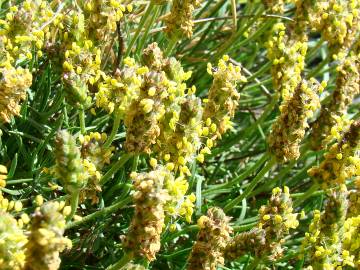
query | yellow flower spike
(179,21)
(150,197)
(46,239)
(213,236)
(12,243)
(299,107)
(347,87)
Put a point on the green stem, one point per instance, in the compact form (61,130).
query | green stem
(147,30)
(74,202)
(252,185)
(234,17)
(247,132)
(239,178)
(319,67)
(82,121)
(315,49)
(306,195)
(101,213)
(243,228)
(171,46)
(123,261)
(114,129)
(135,163)
(139,28)
(117,166)
(18,181)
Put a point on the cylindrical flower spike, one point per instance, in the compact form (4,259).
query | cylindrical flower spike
(157,108)
(13,85)
(142,118)
(143,238)
(354,201)
(322,244)
(69,167)
(347,87)
(289,128)
(12,242)
(117,92)
(179,137)
(94,157)
(247,242)
(265,241)
(223,96)
(208,250)
(20,33)
(179,21)
(276,219)
(102,17)
(336,20)
(46,238)
(351,243)
(286,50)
(342,161)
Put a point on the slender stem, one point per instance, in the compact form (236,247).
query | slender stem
(250,187)
(233,11)
(123,261)
(315,71)
(315,49)
(117,166)
(82,121)
(306,195)
(147,29)
(18,181)
(241,177)
(74,201)
(114,129)
(103,212)
(246,227)
(140,27)
(171,46)
(135,163)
